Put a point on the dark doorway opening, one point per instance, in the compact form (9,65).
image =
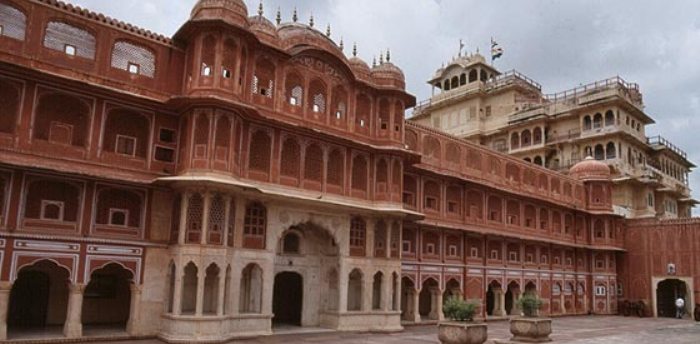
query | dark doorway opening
(490,301)
(509,301)
(666,294)
(109,289)
(287,299)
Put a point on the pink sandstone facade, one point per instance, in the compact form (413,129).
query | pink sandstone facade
(244,174)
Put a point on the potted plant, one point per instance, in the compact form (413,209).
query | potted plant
(530,328)
(461,329)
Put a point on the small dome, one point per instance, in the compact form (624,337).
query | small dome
(359,67)
(263,28)
(233,12)
(387,74)
(590,168)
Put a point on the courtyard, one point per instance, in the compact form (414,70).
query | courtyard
(575,330)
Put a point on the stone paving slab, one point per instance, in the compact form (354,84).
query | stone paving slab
(573,330)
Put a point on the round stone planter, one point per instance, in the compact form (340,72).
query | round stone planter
(531,330)
(453,332)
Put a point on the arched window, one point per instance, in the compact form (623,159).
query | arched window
(134,59)
(377,291)
(119,208)
(544,219)
(313,164)
(530,216)
(355,290)
(290,158)
(609,118)
(453,198)
(255,226)
(358,230)
(525,138)
(317,90)
(495,209)
(13,22)
(359,174)
(291,243)
(251,290)
(431,147)
(211,290)
(363,112)
(410,191)
(398,118)
(384,114)
(228,63)
(339,104)
(10,95)
(62,119)
(382,176)
(217,220)
(610,152)
(208,56)
(446,86)
(597,121)
(396,177)
(126,133)
(538,161)
(195,214)
(463,79)
(335,175)
(201,136)
(537,136)
(514,141)
(475,208)
(188,304)
(294,90)
(264,78)
(431,191)
(599,152)
(222,138)
(380,239)
(260,150)
(587,123)
(513,213)
(70,40)
(483,75)
(473,75)
(454,83)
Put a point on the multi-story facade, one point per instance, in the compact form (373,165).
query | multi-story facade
(605,119)
(244,174)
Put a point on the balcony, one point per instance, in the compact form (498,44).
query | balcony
(629,91)
(659,142)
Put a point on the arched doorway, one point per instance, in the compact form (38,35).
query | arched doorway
(452,289)
(39,298)
(493,299)
(427,300)
(408,292)
(667,292)
(512,295)
(107,298)
(287,298)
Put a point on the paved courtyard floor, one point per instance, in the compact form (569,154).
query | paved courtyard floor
(575,330)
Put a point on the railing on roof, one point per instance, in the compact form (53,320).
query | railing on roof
(613,82)
(507,78)
(661,141)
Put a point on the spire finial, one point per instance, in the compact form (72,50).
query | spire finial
(388,55)
(374,61)
(278,19)
(381,57)
(295,16)
(342,45)
(328,30)
(354,49)
(260,8)
(311,20)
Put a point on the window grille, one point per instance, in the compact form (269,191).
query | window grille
(133,59)
(70,40)
(217,214)
(13,23)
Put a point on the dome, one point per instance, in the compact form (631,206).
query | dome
(263,28)
(359,67)
(590,168)
(388,74)
(233,12)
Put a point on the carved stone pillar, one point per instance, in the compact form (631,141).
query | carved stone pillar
(416,305)
(205,219)
(177,291)
(222,290)
(133,326)
(199,306)
(73,327)
(184,204)
(438,305)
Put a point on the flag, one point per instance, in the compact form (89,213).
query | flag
(496,51)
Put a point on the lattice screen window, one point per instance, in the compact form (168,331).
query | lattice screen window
(340,113)
(357,233)
(217,214)
(195,212)
(133,59)
(297,94)
(256,85)
(70,40)
(268,91)
(319,103)
(13,23)
(255,220)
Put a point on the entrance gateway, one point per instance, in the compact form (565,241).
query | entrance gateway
(667,290)
(287,299)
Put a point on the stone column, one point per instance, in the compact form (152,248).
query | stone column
(5,288)
(184,204)
(199,306)
(222,290)
(73,328)
(133,325)
(205,219)
(416,305)
(177,291)
(227,219)
(342,288)
(438,305)
(367,292)
(386,293)
(502,302)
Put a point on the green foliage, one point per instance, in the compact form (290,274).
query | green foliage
(457,309)
(529,304)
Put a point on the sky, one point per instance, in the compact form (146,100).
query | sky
(560,44)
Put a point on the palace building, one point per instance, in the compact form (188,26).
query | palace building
(244,175)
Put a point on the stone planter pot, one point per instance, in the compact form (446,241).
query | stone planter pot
(531,330)
(453,332)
